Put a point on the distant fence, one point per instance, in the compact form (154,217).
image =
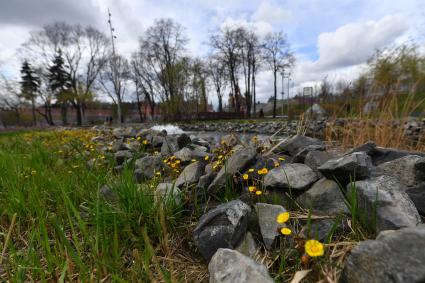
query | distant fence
(208,116)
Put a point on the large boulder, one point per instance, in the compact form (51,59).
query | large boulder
(122,155)
(296,176)
(351,167)
(230,266)
(168,192)
(324,196)
(395,256)
(190,174)
(380,155)
(314,159)
(410,169)
(221,227)
(238,162)
(147,166)
(174,143)
(297,143)
(188,153)
(267,214)
(417,195)
(386,198)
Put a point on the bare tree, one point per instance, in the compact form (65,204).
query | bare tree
(162,48)
(217,74)
(11,99)
(227,44)
(84,49)
(114,79)
(277,54)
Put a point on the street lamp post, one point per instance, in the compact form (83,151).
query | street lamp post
(283,75)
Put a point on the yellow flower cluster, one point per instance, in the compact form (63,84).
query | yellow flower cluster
(313,248)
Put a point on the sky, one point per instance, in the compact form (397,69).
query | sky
(330,38)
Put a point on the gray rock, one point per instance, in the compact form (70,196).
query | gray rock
(186,154)
(108,194)
(167,192)
(147,166)
(410,169)
(190,174)
(122,155)
(267,214)
(395,256)
(351,167)
(417,195)
(206,180)
(123,132)
(314,159)
(319,229)
(298,142)
(301,155)
(295,176)
(386,198)
(229,140)
(324,196)
(230,266)
(248,246)
(238,162)
(172,144)
(221,227)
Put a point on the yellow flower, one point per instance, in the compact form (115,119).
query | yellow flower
(145,142)
(220,157)
(282,217)
(263,171)
(178,161)
(314,248)
(165,160)
(258,193)
(251,170)
(193,160)
(276,164)
(139,138)
(286,231)
(102,157)
(282,158)
(158,173)
(173,165)
(245,176)
(206,158)
(33,172)
(252,189)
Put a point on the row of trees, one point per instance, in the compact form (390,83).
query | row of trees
(68,65)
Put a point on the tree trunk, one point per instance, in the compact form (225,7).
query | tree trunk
(220,103)
(119,113)
(78,114)
(139,109)
(275,94)
(254,94)
(34,119)
(64,113)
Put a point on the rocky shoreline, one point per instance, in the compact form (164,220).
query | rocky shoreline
(266,178)
(413,128)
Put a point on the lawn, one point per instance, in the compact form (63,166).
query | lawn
(58,227)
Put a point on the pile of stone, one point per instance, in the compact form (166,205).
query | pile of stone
(414,128)
(389,186)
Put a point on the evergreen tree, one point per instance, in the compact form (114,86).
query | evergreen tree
(60,83)
(29,86)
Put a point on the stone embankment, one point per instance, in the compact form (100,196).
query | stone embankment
(266,178)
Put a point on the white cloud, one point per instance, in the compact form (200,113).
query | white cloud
(272,14)
(353,43)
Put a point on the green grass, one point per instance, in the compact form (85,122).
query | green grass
(65,230)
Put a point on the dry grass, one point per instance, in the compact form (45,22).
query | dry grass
(385,127)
